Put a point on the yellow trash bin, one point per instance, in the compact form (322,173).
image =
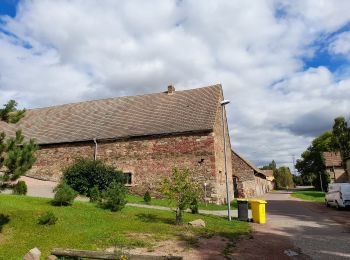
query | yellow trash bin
(258,211)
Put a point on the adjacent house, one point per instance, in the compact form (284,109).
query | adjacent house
(334,167)
(145,136)
(268,174)
(249,181)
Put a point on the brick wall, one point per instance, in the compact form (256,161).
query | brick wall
(148,159)
(220,158)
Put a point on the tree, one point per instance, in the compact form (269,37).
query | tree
(311,166)
(16,156)
(341,138)
(10,114)
(283,178)
(270,166)
(181,189)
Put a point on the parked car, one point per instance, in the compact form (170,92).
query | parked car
(338,195)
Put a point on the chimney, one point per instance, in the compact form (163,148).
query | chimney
(171,89)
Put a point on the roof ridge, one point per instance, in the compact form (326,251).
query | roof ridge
(255,168)
(117,97)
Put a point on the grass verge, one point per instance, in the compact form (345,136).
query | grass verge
(309,194)
(166,203)
(85,226)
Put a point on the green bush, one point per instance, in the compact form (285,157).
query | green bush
(20,188)
(147,197)
(95,194)
(48,218)
(194,206)
(114,198)
(84,174)
(64,195)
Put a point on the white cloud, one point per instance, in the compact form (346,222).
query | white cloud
(92,49)
(341,44)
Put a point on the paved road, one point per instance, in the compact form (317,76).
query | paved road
(308,228)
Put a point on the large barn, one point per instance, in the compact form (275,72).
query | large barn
(144,136)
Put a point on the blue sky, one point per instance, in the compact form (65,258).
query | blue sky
(8,7)
(284,65)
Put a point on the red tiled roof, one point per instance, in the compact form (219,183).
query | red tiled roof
(267,173)
(122,117)
(332,159)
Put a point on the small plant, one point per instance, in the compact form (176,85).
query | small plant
(4,219)
(95,194)
(64,195)
(147,197)
(48,218)
(114,197)
(194,206)
(20,188)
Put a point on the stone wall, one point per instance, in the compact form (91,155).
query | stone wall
(148,159)
(249,184)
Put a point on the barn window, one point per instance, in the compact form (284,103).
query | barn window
(128,178)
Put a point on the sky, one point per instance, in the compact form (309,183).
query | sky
(284,65)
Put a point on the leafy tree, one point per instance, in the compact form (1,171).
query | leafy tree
(16,156)
(341,138)
(181,189)
(311,166)
(10,114)
(283,178)
(270,166)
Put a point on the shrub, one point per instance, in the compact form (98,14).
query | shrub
(194,206)
(64,195)
(95,194)
(20,188)
(114,197)
(84,174)
(147,197)
(48,218)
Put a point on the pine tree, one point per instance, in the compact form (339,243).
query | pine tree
(19,156)
(10,114)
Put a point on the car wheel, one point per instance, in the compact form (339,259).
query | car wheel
(337,205)
(327,204)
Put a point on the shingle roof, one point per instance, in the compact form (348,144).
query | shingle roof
(122,117)
(332,159)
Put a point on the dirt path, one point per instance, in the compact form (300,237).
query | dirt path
(307,228)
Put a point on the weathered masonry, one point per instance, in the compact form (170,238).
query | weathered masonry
(145,136)
(249,181)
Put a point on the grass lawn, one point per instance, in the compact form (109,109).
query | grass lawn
(309,194)
(166,203)
(85,226)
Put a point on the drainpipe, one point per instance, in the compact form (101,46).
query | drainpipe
(95,150)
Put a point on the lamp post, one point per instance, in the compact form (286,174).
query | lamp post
(223,104)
